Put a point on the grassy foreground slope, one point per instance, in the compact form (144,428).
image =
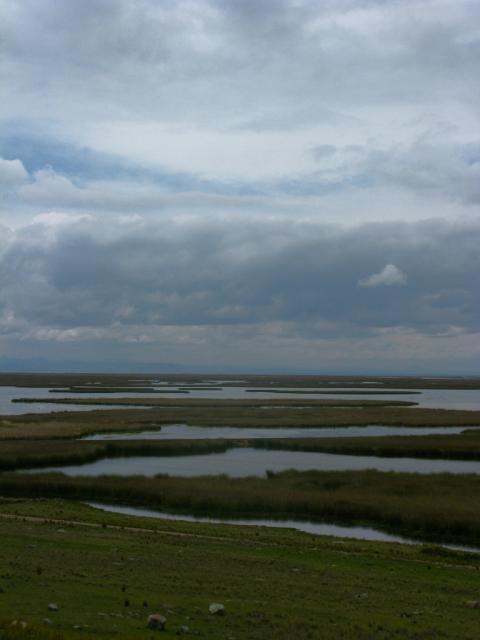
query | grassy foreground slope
(107,572)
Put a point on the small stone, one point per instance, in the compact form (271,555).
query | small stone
(216,609)
(47,621)
(184,629)
(53,606)
(156,621)
(473,604)
(19,623)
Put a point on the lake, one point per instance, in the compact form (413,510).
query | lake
(188,432)
(428,398)
(7,407)
(246,461)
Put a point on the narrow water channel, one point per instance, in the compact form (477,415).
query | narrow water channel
(314,528)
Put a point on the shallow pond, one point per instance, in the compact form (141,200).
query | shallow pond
(187,432)
(245,461)
(315,528)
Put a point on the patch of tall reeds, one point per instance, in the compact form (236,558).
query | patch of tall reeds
(437,507)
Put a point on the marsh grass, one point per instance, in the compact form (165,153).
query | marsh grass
(223,413)
(45,453)
(465,446)
(350,392)
(16,454)
(287,381)
(101,390)
(440,507)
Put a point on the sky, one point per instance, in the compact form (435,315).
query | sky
(240,185)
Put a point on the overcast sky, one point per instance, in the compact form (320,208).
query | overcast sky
(241,184)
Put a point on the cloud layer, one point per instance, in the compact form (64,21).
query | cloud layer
(292,182)
(68,279)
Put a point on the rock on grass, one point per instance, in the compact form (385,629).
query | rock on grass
(216,609)
(156,621)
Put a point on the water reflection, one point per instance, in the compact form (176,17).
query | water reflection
(315,528)
(7,407)
(246,461)
(187,432)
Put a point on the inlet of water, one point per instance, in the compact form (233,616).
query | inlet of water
(314,528)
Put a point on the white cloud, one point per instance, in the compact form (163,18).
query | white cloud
(56,218)
(12,173)
(390,275)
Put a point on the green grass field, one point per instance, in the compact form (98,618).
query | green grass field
(106,578)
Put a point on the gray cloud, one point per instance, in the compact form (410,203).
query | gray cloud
(65,275)
(323,151)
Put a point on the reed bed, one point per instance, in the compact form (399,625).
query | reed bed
(46,453)
(266,414)
(463,446)
(437,507)
(288,381)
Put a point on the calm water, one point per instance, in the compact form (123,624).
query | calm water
(7,407)
(433,398)
(315,528)
(187,432)
(245,461)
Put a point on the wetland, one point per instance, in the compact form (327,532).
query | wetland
(297,463)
